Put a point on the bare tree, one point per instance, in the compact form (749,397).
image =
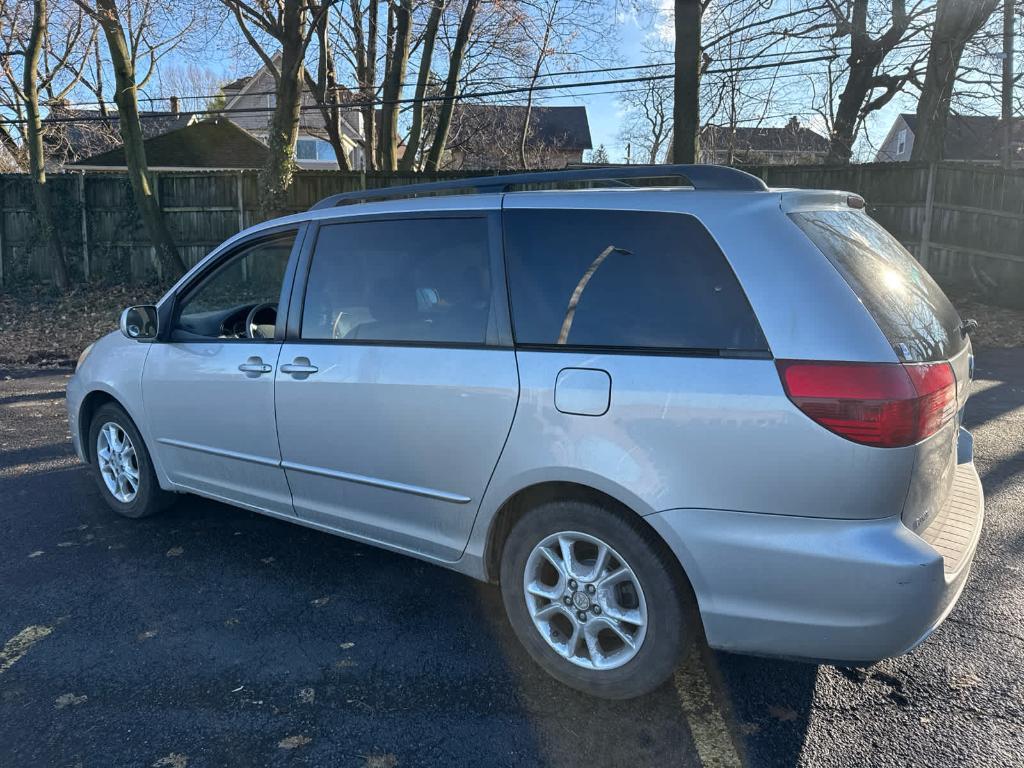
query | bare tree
(648,115)
(558,33)
(328,92)
(451,85)
(956,22)
(291,25)
(688,64)
(123,56)
(194,86)
(427,43)
(867,54)
(400,15)
(32,82)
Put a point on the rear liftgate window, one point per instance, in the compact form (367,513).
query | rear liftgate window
(624,279)
(906,303)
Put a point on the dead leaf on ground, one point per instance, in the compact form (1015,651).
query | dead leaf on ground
(69,700)
(294,742)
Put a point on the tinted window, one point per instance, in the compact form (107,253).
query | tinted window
(910,309)
(623,279)
(409,280)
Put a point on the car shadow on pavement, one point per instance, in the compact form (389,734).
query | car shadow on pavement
(235,639)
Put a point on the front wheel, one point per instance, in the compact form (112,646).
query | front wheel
(596,599)
(121,465)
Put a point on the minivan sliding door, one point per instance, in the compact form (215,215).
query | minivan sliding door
(398,384)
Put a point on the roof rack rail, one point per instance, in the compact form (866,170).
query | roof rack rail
(703,177)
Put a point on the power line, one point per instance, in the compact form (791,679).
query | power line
(831,55)
(356,104)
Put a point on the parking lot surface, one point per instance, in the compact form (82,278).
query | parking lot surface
(212,636)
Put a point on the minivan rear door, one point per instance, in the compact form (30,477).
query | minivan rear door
(917,319)
(397,382)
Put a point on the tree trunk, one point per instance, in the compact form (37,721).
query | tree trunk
(541,53)
(37,160)
(686,109)
(366,75)
(326,90)
(276,176)
(844,128)
(956,21)
(408,161)
(866,56)
(444,118)
(398,62)
(131,136)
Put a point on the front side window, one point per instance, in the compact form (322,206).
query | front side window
(623,279)
(221,305)
(410,280)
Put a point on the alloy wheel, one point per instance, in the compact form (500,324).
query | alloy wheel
(118,462)
(585,600)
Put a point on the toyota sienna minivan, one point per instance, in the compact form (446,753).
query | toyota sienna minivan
(646,412)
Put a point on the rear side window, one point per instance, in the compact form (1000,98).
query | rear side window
(623,279)
(909,307)
(409,280)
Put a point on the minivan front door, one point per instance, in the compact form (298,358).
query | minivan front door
(396,395)
(209,386)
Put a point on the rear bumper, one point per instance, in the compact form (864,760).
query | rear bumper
(841,590)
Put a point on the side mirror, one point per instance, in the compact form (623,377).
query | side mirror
(139,323)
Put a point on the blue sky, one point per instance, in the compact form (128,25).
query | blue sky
(604,109)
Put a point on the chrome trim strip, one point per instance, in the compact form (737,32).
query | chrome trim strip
(261,460)
(417,490)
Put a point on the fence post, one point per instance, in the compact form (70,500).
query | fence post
(153,258)
(926,227)
(85,225)
(240,186)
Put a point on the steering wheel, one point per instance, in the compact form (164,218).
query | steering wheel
(252,327)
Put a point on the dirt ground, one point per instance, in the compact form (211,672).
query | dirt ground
(42,330)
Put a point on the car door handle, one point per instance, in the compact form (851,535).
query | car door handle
(255,365)
(300,366)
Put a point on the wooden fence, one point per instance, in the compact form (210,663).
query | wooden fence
(104,237)
(964,222)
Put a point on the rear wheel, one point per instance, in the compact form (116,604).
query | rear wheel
(121,465)
(596,599)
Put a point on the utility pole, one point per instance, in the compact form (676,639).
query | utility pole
(1008,83)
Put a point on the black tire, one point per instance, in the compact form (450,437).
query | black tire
(149,498)
(671,608)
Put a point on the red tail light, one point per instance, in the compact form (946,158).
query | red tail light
(885,405)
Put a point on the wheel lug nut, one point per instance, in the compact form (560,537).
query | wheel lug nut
(596,609)
(572,584)
(591,589)
(581,615)
(567,600)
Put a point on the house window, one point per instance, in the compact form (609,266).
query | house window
(313,149)
(901,142)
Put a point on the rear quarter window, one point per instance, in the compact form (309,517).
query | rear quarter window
(623,279)
(907,304)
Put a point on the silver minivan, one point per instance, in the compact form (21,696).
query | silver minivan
(649,413)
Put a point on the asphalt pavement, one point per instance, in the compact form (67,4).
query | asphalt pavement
(212,636)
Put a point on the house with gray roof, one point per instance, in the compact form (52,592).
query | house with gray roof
(791,144)
(487,137)
(250,102)
(216,144)
(970,138)
(72,134)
